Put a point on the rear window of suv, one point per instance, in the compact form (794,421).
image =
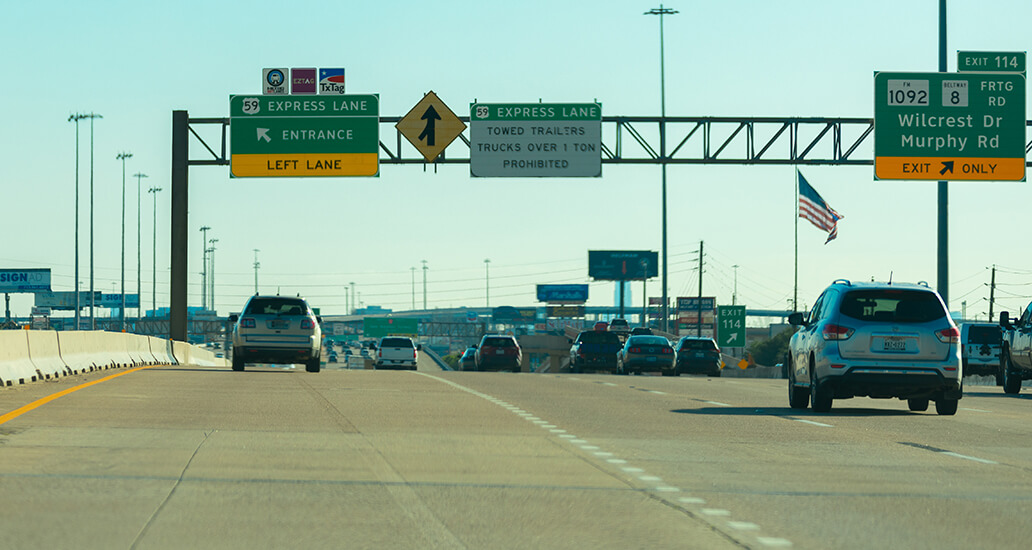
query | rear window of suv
(276,306)
(499,342)
(984,335)
(599,338)
(699,344)
(892,306)
(396,343)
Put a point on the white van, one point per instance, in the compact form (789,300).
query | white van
(980,349)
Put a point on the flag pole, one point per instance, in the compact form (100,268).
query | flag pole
(795,215)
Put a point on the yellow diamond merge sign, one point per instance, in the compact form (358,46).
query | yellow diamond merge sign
(430,126)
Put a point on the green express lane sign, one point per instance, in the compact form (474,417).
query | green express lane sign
(949,126)
(294,136)
(731,326)
(378,327)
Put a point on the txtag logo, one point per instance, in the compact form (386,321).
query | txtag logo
(331,81)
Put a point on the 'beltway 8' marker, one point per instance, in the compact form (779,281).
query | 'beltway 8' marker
(293,136)
(557,140)
(949,126)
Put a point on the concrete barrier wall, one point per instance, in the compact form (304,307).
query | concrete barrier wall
(15,366)
(78,351)
(45,354)
(162,351)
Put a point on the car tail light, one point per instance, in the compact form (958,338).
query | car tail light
(414,356)
(948,335)
(836,332)
(635,350)
(247,323)
(668,351)
(307,324)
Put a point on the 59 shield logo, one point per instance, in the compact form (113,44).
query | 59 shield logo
(331,81)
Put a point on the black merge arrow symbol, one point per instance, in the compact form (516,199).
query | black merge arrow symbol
(947,166)
(430,116)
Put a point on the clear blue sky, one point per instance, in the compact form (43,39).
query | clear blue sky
(135,63)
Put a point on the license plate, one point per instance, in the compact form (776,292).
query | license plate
(700,354)
(894,343)
(651,359)
(499,352)
(279,323)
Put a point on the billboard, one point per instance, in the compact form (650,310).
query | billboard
(24,280)
(378,327)
(565,311)
(65,301)
(514,316)
(623,265)
(709,303)
(562,294)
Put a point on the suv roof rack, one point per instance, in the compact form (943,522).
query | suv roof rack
(843,281)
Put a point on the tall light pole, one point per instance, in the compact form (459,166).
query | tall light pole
(204,267)
(734,294)
(139,264)
(487,282)
(424,284)
(256,266)
(211,278)
(413,288)
(661,11)
(93,297)
(76,118)
(121,313)
(154,252)
(352,283)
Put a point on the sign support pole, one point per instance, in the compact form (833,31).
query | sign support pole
(180,184)
(943,279)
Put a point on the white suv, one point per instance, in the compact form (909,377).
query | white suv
(879,340)
(276,329)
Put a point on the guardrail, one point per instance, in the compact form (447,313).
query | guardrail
(34,355)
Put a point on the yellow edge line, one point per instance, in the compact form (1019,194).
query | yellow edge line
(40,402)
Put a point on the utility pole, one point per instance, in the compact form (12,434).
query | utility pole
(139,258)
(154,252)
(992,292)
(698,322)
(424,284)
(93,296)
(662,149)
(204,267)
(256,266)
(76,118)
(353,303)
(734,293)
(211,278)
(413,288)
(121,312)
(644,293)
(487,282)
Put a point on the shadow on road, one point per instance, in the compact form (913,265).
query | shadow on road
(793,413)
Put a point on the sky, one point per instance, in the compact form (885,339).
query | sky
(134,63)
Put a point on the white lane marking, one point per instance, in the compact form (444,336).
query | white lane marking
(716,512)
(610,384)
(539,421)
(667,489)
(567,436)
(547,426)
(743,525)
(589,447)
(603,454)
(577,441)
(774,542)
(974,410)
(657,392)
(650,478)
(717,403)
(965,457)
(616,461)
(691,500)
(557,431)
(632,469)
(812,423)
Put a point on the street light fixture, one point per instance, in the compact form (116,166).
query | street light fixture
(256,266)
(204,267)
(76,118)
(487,282)
(154,253)
(121,313)
(661,11)
(211,278)
(424,284)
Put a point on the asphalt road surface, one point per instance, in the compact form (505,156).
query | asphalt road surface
(274,457)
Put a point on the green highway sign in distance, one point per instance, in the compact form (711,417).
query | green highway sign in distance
(520,140)
(991,62)
(378,327)
(293,136)
(949,126)
(731,326)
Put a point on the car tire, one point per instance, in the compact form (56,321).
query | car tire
(946,407)
(820,396)
(312,365)
(716,374)
(920,405)
(238,362)
(798,398)
(1011,383)
(668,373)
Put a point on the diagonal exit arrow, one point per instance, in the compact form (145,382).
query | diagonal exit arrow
(263,133)
(430,116)
(732,337)
(947,166)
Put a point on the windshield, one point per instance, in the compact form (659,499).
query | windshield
(892,306)
(647,341)
(598,338)
(396,343)
(984,334)
(276,306)
(699,344)
(499,342)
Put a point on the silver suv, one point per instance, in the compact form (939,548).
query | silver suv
(879,340)
(276,329)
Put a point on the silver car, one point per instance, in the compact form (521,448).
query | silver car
(276,329)
(646,354)
(879,340)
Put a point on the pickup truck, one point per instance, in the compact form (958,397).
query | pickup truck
(594,350)
(396,352)
(1016,350)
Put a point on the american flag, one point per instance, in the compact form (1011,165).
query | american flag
(812,207)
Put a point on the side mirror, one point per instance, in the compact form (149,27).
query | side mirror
(318,319)
(233,318)
(570,340)
(419,347)
(796,319)
(1005,320)
(372,345)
